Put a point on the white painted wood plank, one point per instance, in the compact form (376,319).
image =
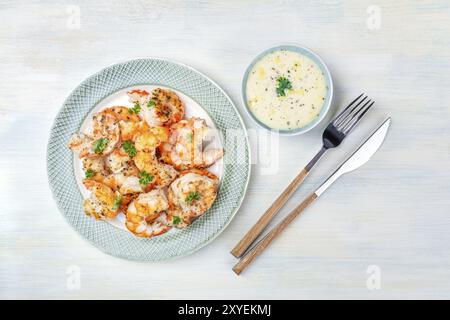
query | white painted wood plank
(393,212)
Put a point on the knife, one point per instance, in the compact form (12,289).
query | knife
(357,159)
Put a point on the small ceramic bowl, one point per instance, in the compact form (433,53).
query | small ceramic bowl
(314,57)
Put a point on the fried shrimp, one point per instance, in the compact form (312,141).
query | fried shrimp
(146,216)
(190,196)
(185,148)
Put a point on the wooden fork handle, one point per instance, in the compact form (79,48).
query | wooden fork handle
(251,255)
(264,220)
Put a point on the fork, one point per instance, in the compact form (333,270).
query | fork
(332,137)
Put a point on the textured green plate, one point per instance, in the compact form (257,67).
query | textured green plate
(206,93)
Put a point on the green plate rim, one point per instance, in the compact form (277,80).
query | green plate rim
(191,69)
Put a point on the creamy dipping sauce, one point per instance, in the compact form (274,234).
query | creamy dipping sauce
(286,90)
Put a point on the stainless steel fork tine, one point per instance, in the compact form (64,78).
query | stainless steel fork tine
(349,114)
(339,116)
(332,137)
(352,115)
(348,129)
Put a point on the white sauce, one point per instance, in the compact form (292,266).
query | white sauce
(301,105)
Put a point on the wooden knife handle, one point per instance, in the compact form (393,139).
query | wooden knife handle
(250,256)
(264,220)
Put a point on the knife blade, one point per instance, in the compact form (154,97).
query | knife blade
(359,157)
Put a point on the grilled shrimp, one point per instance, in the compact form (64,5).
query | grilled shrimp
(112,181)
(82,144)
(129,130)
(126,200)
(145,138)
(190,196)
(123,186)
(130,159)
(122,113)
(162,107)
(95,165)
(118,161)
(185,148)
(118,166)
(146,214)
(163,174)
(148,139)
(102,202)
(142,97)
(131,185)
(104,138)
(168,106)
(106,126)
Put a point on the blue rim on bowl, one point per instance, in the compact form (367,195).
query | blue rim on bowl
(314,57)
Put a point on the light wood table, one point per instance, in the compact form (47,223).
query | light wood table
(381,232)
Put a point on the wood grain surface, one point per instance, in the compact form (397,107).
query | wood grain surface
(268,215)
(380,232)
(265,241)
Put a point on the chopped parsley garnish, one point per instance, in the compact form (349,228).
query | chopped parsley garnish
(193,195)
(117,202)
(283,84)
(129,148)
(100,145)
(145,178)
(89,173)
(176,220)
(136,109)
(190,137)
(151,103)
